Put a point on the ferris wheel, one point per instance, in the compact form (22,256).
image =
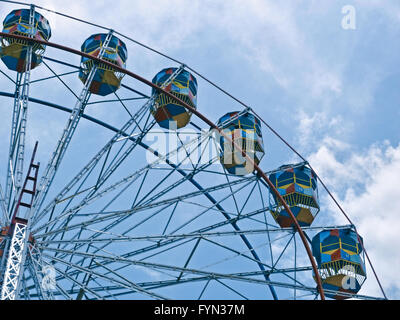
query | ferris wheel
(117,187)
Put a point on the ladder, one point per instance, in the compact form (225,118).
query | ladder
(19,233)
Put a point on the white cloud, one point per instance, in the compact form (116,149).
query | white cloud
(266,33)
(373,206)
(321,129)
(376,211)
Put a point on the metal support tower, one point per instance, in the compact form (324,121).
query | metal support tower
(19,232)
(15,261)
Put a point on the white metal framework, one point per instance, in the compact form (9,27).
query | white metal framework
(12,275)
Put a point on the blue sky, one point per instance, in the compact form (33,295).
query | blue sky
(332,93)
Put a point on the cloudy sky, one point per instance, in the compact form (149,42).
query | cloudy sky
(331,91)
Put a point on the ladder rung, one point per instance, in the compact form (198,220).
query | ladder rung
(25,205)
(21,220)
(36,166)
(31,178)
(28,191)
